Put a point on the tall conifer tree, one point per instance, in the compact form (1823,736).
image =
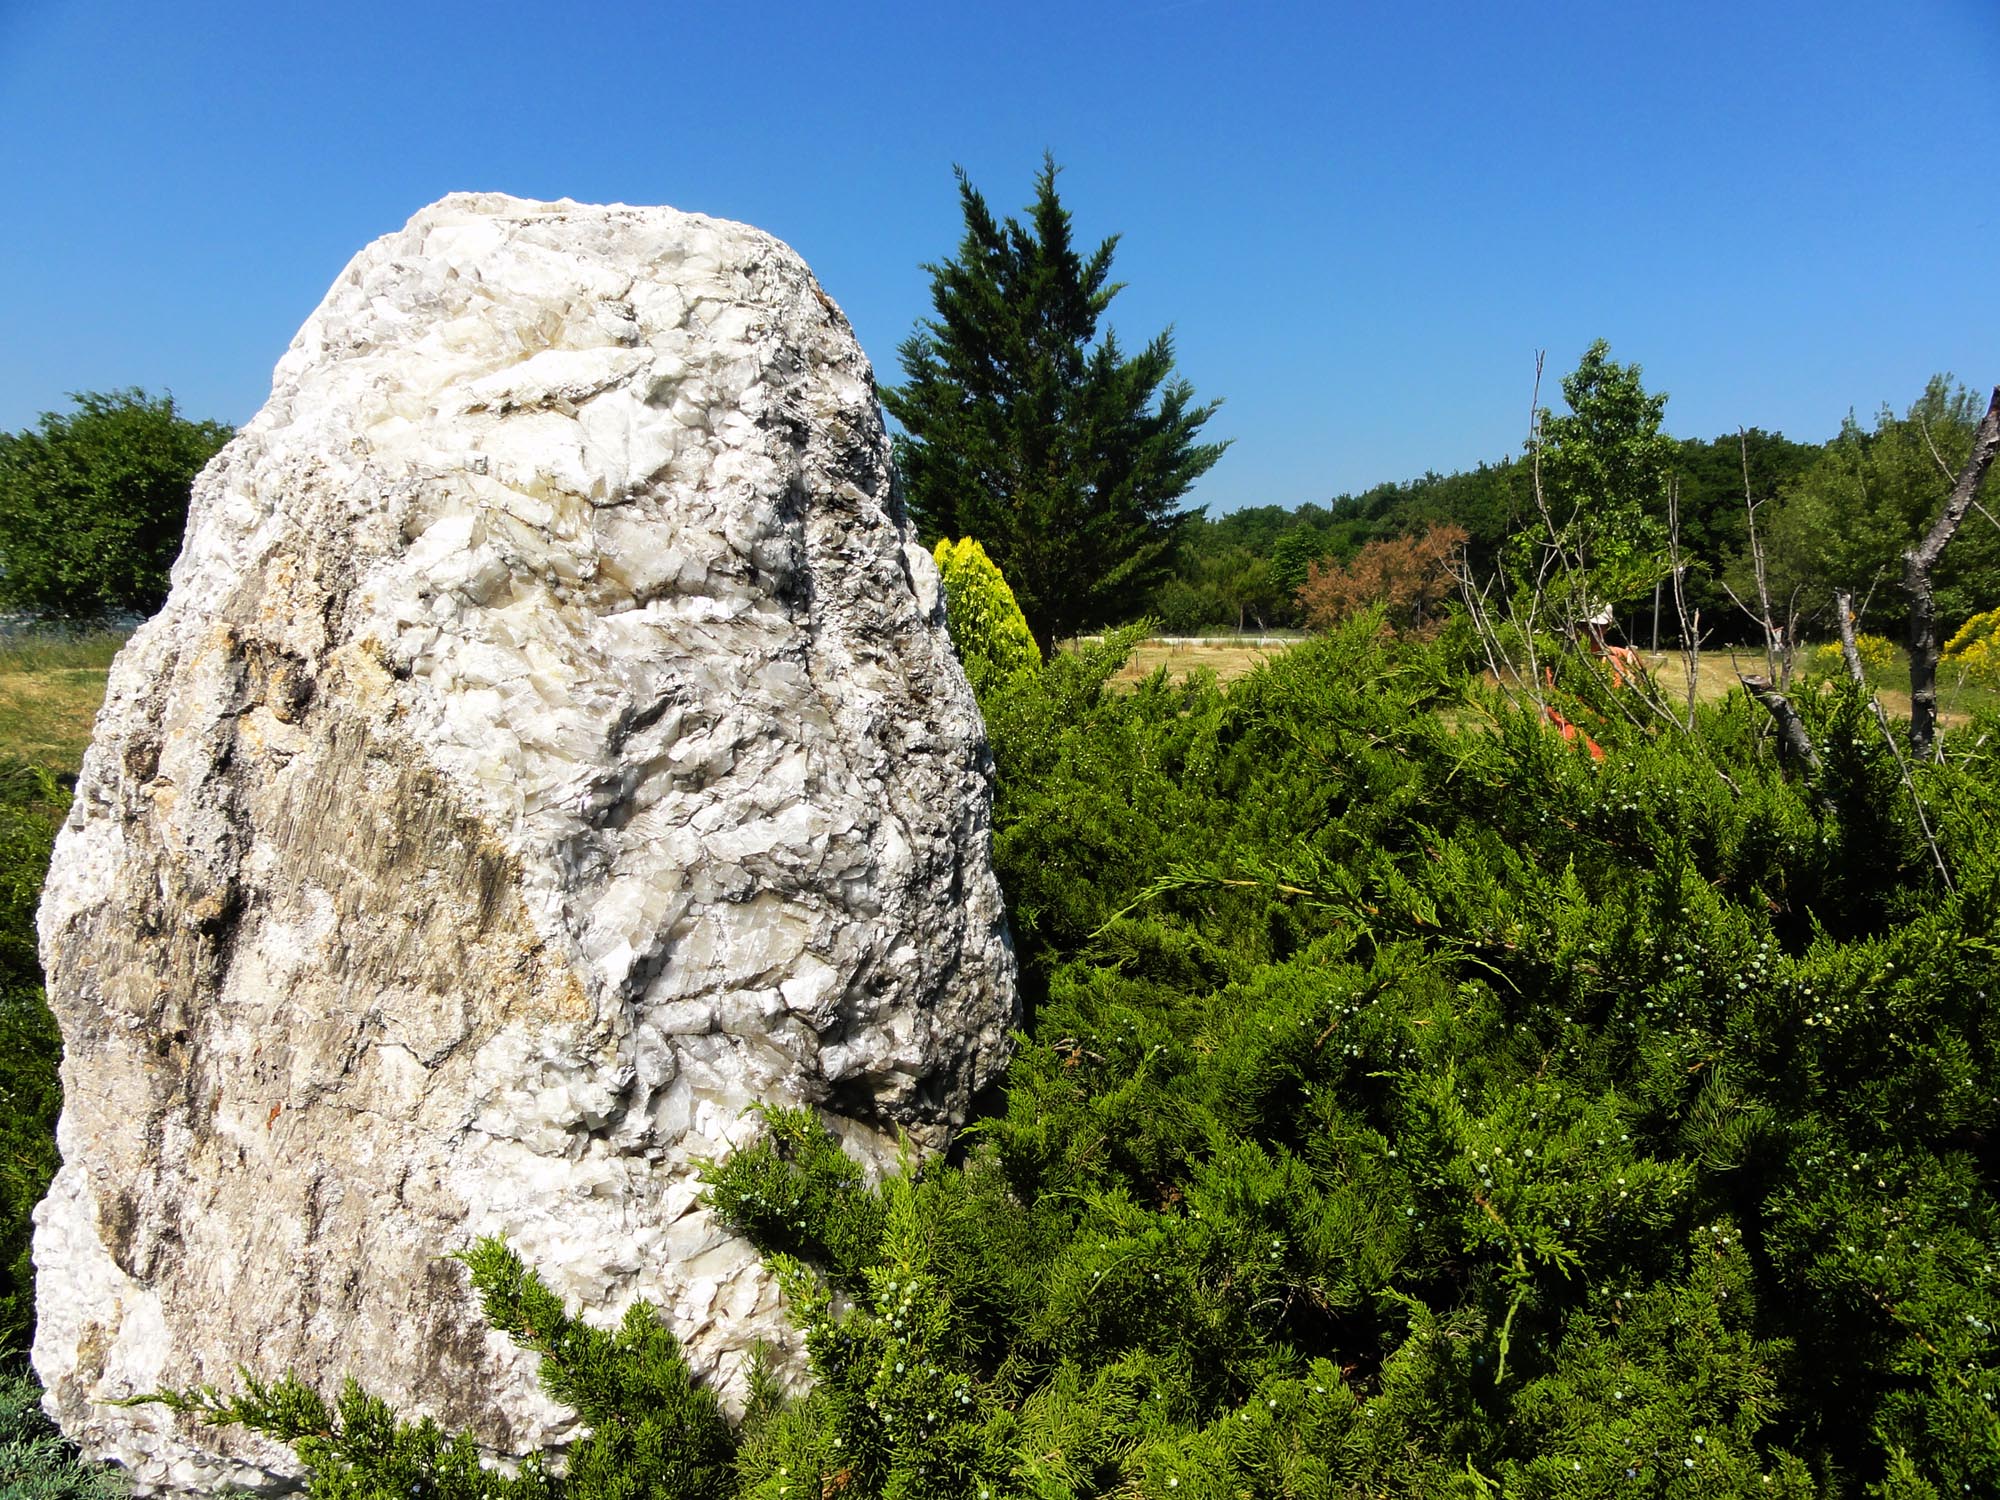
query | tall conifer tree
(1022,428)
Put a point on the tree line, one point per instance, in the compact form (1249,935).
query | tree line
(1025,424)
(1833,516)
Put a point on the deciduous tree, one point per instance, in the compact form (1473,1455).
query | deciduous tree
(1410,576)
(93,504)
(1844,524)
(1604,467)
(1920,563)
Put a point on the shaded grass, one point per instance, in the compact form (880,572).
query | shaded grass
(46,717)
(52,651)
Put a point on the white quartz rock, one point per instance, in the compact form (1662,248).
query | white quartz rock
(551,748)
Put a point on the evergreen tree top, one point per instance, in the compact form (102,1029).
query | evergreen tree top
(1023,428)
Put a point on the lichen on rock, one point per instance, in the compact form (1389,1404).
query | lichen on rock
(551,747)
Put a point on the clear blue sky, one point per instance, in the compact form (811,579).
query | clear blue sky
(1362,220)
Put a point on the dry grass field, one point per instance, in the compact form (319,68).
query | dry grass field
(1227,658)
(50,691)
(1719,671)
(1231,659)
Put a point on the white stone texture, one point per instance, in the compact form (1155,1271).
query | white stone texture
(551,747)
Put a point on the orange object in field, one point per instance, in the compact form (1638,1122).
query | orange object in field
(1571,732)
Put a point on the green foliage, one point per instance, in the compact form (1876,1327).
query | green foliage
(1715,533)
(1414,1104)
(357,1449)
(1604,472)
(36,1461)
(92,505)
(1063,455)
(32,803)
(1411,1103)
(1845,522)
(654,1434)
(653,1431)
(1226,587)
(1292,557)
(987,626)
(797,1193)
(1242,570)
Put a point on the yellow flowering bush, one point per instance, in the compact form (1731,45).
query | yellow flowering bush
(1878,655)
(1974,652)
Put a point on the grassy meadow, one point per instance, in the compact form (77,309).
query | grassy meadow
(50,690)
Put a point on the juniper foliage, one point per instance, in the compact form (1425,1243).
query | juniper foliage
(654,1434)
(36,1461)
(1413,1104)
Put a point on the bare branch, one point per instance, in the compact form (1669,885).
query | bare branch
(1771,640)
(1791,728)
(1918,564)
(1690,632)
(1936,457)
(1736,600)
(1868,598)
(1482,623)
(1910,786)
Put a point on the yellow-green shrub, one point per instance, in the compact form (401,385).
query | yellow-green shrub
(987,625)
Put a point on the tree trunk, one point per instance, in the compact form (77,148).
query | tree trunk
(1850,649)
(1918,563)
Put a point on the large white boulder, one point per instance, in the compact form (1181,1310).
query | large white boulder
(551,747)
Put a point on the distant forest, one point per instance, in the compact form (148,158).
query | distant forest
(1830,515)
